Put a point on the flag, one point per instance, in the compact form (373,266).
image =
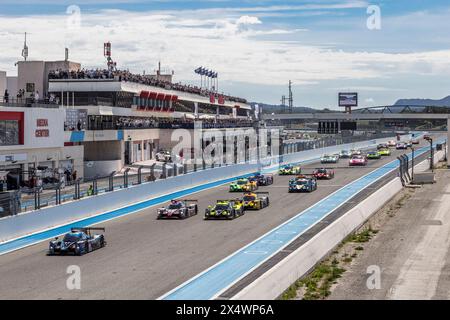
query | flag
(212,98)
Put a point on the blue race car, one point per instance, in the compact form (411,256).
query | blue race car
(262,179)
(302,184)
(78,241)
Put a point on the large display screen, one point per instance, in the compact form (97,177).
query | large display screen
(348,99)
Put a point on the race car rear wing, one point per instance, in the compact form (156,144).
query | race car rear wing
(259,192)
(230,200)
(185,200)
(87,230)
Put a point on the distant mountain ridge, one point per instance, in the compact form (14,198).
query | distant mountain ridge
(445,102)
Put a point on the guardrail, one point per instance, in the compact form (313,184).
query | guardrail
(27,103)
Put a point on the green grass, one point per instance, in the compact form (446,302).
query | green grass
(318,283)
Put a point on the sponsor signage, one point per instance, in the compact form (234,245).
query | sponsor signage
(42,122)
(42,133)
(13,157)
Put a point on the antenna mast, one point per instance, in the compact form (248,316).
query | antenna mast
(25,48)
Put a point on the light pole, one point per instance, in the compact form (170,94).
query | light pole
(430,140)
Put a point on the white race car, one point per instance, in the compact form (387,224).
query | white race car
(329,158)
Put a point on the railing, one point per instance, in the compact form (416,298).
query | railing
(27,103)
(37,198)
(164,125)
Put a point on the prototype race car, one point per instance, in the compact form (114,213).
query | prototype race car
(323,174)
(78,241)
(262,179)
(373,155)
(356,152)
(289,170)
(391,143)
(256,200)
(178,209)
(415,141)
(345,154)
(384,152)
(302,184)
(358,161)
(243,185)
(163,156)
(401,146)
(329,158)
(382,146)
(225,209)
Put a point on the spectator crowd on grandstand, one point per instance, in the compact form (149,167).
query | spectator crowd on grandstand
(167,123)
(123,75)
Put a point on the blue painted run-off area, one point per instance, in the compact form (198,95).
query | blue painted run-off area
(213,281)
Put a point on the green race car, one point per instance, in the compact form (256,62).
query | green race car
(384,152)
(373,155)
(289,170)
(243,185)
(225,209)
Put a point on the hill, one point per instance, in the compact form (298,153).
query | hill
(445,102)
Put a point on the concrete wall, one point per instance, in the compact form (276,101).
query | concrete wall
(101,168)
(31,72)
(102,151)
(3,84)
(11,84)
(55,118)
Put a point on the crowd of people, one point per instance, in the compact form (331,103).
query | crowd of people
(124,75)
(169,123)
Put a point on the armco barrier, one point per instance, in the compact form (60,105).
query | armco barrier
(273,282)
(47,218)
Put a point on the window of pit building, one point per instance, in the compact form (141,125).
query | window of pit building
(9,132)
(30,87)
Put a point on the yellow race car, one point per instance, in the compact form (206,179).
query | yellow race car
(289,170)
(244,185)
(255,200)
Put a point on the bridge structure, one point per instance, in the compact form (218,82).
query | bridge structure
(404,112)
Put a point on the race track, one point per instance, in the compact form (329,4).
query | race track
(146,258)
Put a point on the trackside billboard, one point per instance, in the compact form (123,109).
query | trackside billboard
(348,99)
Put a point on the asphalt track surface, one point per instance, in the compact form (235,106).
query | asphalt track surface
(145,257)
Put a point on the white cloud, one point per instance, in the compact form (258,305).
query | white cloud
(248,20)
(228,42)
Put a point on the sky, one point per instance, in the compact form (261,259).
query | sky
(384,50)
